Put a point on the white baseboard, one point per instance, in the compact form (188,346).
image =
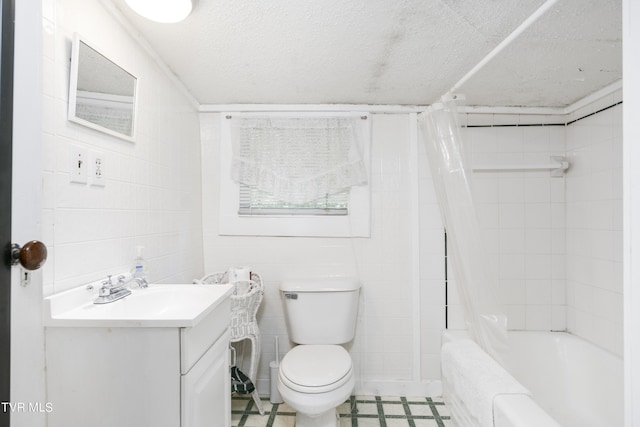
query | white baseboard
(432,388)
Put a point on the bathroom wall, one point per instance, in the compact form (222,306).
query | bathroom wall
(152,192)
(528,225)
(555,244)
(521,214)
(431,252)
(386,353)
(594,227)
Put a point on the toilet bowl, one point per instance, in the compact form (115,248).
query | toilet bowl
(314,380)
(316,375)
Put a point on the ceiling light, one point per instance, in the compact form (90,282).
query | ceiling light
(165,11)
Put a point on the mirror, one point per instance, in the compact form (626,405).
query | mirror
(102,95)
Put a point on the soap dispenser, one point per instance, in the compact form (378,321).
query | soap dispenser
(139,269)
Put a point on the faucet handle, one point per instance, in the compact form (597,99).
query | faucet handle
(121,280)
(105,288)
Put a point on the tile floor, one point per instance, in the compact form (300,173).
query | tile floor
(358,411)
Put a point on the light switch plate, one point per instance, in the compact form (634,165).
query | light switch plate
(78,164)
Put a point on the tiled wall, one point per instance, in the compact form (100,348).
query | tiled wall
(432,271)
(152,192)
(521,214)
(527,221)
(555,243)
(153,197)
(384,348)
(594,228)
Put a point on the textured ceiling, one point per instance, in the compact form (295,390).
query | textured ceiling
(394,52)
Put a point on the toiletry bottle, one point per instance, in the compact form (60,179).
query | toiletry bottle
(139,269)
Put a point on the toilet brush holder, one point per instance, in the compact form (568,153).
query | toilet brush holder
(275,397)
(274,368)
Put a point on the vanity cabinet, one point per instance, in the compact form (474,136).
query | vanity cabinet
(141,375)
(204,401)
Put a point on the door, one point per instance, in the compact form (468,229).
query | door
(6,121)
(26,379)
(206,389)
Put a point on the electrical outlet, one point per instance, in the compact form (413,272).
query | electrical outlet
(97,169)
(78,164)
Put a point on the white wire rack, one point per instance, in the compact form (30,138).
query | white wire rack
(245,302)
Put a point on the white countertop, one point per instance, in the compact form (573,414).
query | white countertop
(176,305)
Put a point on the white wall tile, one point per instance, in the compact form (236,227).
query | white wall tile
(512,266)
(512,215)
(538,317)
(514,291)
(538,215)
(382,262)
(593,190)
(538,266)
(538,292)
(511,190)
(528,215)
(516,316)
(538,241)
(95,230)
(558,317)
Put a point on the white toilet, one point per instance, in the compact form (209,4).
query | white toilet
(317,375)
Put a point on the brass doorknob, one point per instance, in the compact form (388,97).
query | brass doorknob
(31,256)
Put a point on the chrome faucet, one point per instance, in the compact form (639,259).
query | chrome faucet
(140,281)
(109,292)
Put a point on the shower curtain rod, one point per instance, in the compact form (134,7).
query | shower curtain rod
(507,41)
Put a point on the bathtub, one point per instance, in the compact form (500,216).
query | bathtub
(561,380)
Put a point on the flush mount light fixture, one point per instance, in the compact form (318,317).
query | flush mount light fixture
(164,11)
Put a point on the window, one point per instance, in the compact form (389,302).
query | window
(256,202)
(295,175)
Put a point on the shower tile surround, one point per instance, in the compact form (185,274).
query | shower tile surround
(555,244)
(594,229)
(521,216)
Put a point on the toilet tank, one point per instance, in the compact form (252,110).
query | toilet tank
(321,311)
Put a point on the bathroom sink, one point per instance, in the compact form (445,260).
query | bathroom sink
(178,305)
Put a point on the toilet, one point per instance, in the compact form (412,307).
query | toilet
(316,375)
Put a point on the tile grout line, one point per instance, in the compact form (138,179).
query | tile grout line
(245,414)
(353,411)
(383,423)
(436,414)
(407,412)
(272,414)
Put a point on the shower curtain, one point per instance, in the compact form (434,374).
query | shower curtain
(451,174)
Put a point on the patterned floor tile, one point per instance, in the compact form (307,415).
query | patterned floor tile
(357,411)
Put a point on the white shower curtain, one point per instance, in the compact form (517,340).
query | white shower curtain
(484,315)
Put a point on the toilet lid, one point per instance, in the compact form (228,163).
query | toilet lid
(315,368)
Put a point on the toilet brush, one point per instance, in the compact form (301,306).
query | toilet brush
(274,367)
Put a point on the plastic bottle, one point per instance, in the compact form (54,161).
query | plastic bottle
(139,269)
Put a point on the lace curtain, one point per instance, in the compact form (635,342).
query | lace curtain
(297,159)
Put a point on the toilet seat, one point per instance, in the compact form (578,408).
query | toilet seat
(316,368)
